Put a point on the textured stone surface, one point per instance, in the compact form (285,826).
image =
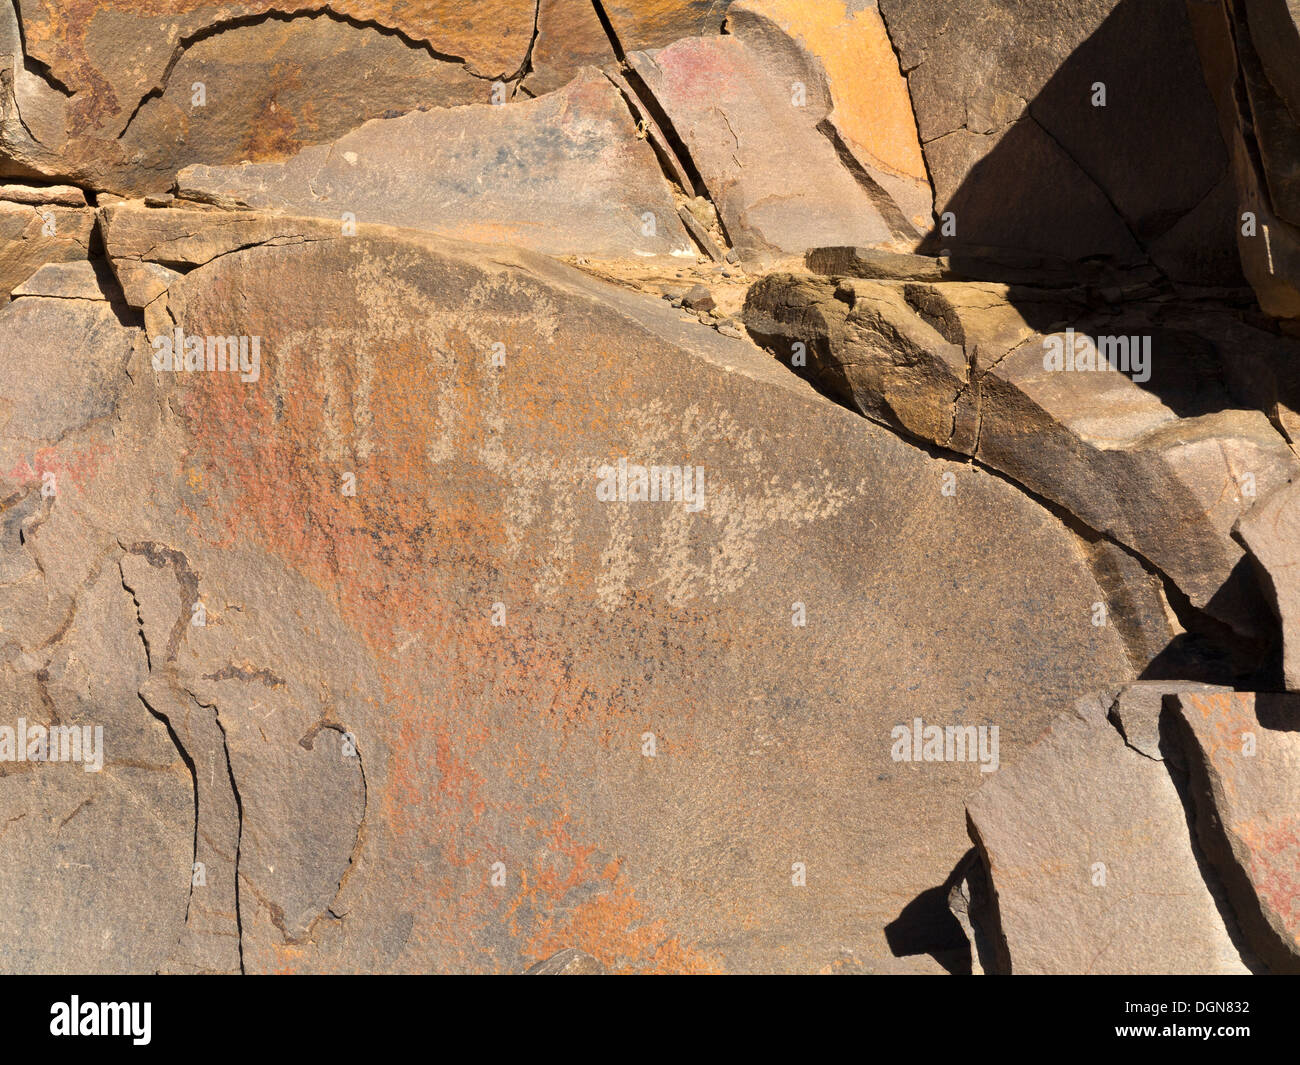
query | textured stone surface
(1087,846)
(871,110)
(564,174)
(1271,532)
(499,505)
(1019,154)
(733,106)
(1244,752)
(1165,466)
(32,235)
(396,667)
(1268,245)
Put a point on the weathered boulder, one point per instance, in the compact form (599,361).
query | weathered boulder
(1026,153)
(871,111)
(394,492)
(1243,751)
(1092,867)
(1034,384)
(743,106)
(564,174)
(32,235)
(125,118)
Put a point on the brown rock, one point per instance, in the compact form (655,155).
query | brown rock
(277,80)
(737,109)
(871,108)
(960,365)
(1087,847)
(1023,159)
(325,607)
(1244,755)
(564,174)
(1271,532)
(33,235)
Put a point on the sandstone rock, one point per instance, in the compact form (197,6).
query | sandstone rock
(1268,245)
(961,366)
(274,87)
(871,109)
(1021,156)
(569,962)
(114,115)
(1137,708)
(63,195)
(591,592)
(564,174)
(72,281)
(731,105)
(1244,755)
(1271,532)
(1088,851)
(32,235)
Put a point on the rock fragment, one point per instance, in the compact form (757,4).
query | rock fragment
(1244,754)
(1087,847)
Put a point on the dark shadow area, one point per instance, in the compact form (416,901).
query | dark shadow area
(927,925)
(1278,711)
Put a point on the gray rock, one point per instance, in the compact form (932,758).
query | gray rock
(1243,751)
(1088,851)
(564,174)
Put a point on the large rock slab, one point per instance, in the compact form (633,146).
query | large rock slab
(1093,870)
(272,88)
(99,836)
(1159,458)
(32,235)
(114,115)
(871,111)
(1244,754)
(1023,159)
(646,649)
(743,109)
(564,174)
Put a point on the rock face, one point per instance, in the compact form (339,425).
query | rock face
(1074,129)
(1271,532)
(1249,53)
(1154,457)
(574,487)
(589,592)
(1087,847)
(564,174)
(1245,760)
(738,120)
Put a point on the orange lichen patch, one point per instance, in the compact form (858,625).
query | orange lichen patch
(613,928)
